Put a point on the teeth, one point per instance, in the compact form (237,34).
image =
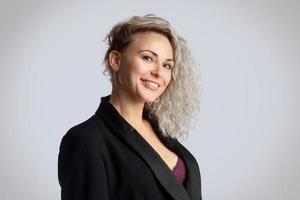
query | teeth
(151,84)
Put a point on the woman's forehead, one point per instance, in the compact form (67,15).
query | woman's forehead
(151,41)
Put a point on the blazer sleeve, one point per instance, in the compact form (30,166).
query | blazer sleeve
(79,177)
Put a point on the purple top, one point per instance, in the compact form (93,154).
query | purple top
(180,170)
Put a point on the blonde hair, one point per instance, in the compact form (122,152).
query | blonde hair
(176,109)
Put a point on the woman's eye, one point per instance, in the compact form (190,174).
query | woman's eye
(147,58)
(168,66)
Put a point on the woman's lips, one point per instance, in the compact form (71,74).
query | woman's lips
(150,84)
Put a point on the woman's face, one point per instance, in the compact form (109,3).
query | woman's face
(145,66)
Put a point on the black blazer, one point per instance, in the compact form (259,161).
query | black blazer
(105,158)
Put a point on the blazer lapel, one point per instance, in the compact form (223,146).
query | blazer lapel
(159,168)
(192,182)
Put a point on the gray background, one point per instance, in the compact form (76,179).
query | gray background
(247,135)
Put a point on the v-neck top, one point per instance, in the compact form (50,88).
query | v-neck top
(179,170)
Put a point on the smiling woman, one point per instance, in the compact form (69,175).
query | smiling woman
(129,148)
(143,70)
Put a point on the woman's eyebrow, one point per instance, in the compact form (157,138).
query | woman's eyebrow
(155,54)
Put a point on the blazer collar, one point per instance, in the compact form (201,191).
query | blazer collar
(191,190)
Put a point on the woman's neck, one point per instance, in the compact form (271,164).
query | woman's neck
(129,108)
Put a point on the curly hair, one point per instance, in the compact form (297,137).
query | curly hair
(176,109)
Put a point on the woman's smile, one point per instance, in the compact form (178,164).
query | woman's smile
(150,84)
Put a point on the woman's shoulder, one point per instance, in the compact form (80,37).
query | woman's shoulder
(87,132)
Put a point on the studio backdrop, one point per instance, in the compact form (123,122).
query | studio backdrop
(247,136)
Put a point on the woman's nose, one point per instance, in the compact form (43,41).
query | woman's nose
(157,70)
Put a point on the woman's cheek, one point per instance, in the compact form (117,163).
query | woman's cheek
(168,79)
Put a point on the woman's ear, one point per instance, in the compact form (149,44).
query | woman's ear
(114,59)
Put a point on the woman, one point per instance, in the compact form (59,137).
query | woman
(129,149)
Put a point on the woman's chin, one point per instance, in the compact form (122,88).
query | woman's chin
(149,98)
